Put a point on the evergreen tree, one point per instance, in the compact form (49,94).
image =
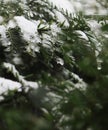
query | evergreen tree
(53,73)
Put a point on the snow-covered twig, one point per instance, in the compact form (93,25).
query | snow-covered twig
(26,84)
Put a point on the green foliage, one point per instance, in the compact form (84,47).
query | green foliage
(72,80)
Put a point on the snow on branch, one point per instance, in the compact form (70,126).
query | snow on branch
(26,84)
(6,84)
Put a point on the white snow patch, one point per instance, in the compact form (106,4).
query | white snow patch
(17,60)
(82,35)
(61,18)
(95,26)
(91,7)
(3,35)
(31,85)
(6,1)
(11,24)
(28,28)
(55,29)
(80,84)
(9,1)
(13,70)
(6,85)
(20,78)
(2,31)
(63,4)
(26,25)
(78,6)
(1,98)
(106,35)
(60,61)
(47,40)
